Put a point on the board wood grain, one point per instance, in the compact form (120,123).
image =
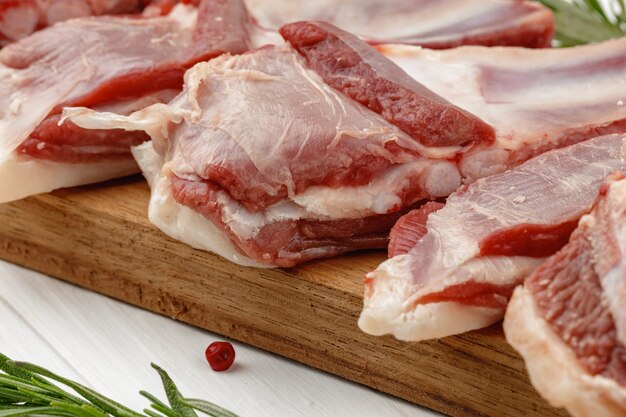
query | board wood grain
(98,237)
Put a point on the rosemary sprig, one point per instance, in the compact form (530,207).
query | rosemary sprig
(27,389)
(587,21)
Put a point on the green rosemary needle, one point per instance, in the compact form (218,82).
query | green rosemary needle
(27,389)
(587,21)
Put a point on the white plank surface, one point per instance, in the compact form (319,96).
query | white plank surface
(109,345)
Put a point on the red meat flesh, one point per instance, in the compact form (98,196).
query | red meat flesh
(351,66)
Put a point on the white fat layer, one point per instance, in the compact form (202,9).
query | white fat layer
(391,308)
(185,15)
(50,175)
(442,179)
(246,225)
(553,368)
(346,202)
(483,163)
(374,198)
(178,221)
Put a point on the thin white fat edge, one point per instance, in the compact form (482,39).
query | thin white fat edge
(383,314)
(180,222)
(16,170)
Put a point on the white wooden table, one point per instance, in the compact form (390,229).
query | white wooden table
(109,345)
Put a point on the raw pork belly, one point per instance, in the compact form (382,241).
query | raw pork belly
(568,321)
(20,18)
(288,168)
(292,169)
(454,268)
(114,64)
(536,100)
(433,24)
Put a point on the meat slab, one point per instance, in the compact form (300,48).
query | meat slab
(114,64)
(535,100)
(359,72)
(312,179)
(568,320)
(459,268)
(433,24)
(272,143)
(20,18)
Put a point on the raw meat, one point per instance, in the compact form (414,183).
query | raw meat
(288,151)
(349,65)
(113,64)
(317,175)
(20,18)
(568,320)
(535,99)
(433,24)
(490,235)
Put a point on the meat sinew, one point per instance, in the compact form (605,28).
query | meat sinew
(292,169)
(568,320)
(113,64)
(458,270)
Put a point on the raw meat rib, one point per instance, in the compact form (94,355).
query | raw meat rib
(433,24)
(112,64)
(568,321)
(489,236)
(20,18)
(536,100)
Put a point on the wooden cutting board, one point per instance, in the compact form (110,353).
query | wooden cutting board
(98,237)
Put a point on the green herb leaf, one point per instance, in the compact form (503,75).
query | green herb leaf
(27,389)
(154,400)
(90,395)
(26,411)
(208,408)
(151,413)
(173,395)
(587,21)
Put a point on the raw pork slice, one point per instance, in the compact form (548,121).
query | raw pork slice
(457,272)
(536,100)
(568,321)
(304,159)
(118,65)
(433,24)
(20,18)
(287,167)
